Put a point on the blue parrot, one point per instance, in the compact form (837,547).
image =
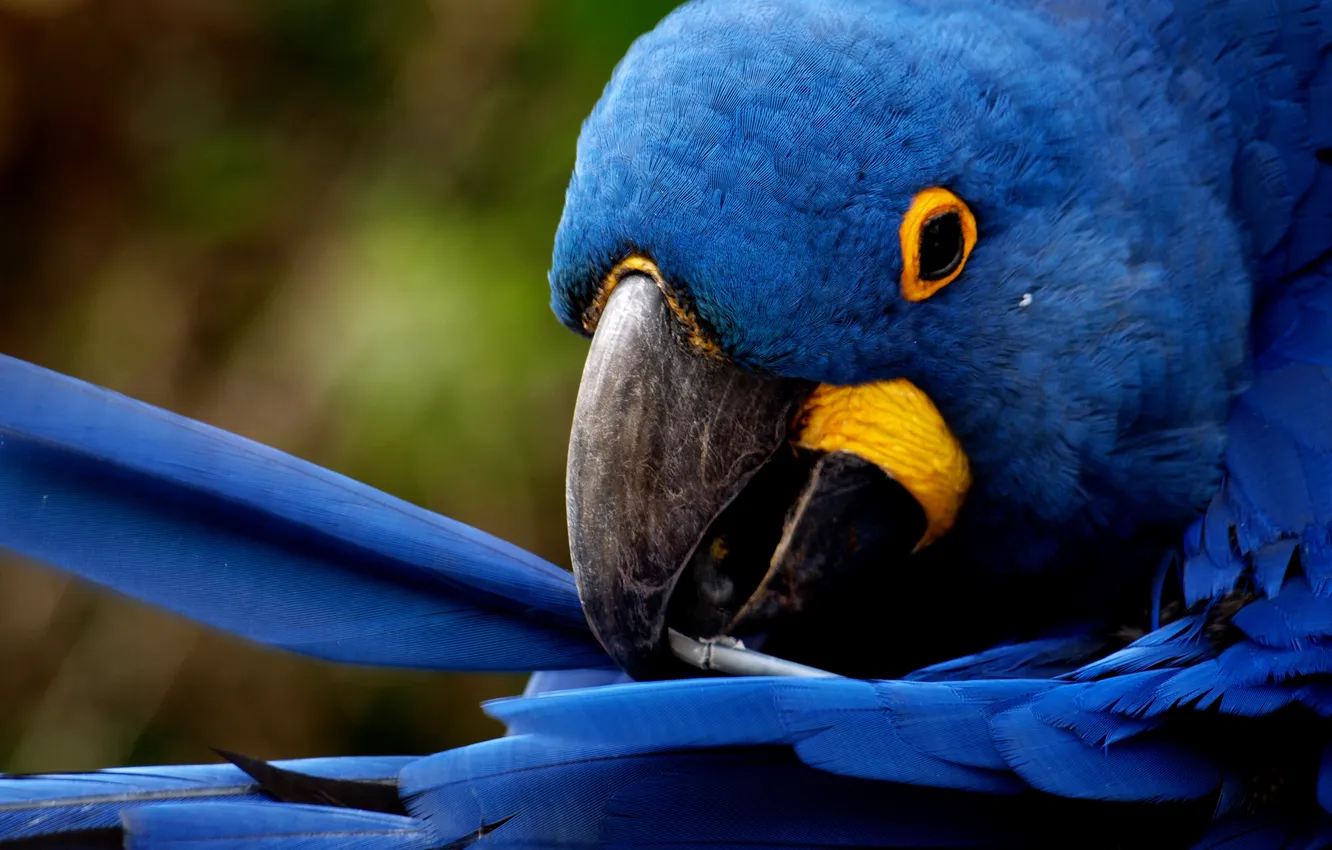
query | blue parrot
(963,367)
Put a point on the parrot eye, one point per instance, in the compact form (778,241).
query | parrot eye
(938,233)
(941,246)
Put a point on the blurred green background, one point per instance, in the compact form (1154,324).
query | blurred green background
(322,224)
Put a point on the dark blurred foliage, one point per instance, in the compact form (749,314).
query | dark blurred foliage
(322,224)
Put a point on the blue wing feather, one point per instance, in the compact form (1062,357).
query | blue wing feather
(1060,762)
(1038,659)
(1273,68)
(266,546)
(912,732)
(255,826)
(564,793)
(1265,833)
(44,805)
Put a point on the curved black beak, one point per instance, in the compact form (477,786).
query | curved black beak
(688,506)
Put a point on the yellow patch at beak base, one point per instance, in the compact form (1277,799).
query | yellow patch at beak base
(896,427)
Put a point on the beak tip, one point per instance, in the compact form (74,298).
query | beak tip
(628,621)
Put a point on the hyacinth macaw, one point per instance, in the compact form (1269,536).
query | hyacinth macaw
(970,359)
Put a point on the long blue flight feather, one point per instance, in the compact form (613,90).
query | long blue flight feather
(263,545)
(254,826)
(49,805)
(564,793)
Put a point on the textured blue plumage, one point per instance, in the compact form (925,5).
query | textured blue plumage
(45,805)
(1059,762)
(1279,488)
(571,794)
(1265,833)
(1140,350)
(848,727)
(1041,659)
(264,545)
(244,826)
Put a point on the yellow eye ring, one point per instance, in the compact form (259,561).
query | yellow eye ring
(937,233)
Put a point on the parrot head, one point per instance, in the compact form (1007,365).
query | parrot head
(908,320)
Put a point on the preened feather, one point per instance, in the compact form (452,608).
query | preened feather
(264,545)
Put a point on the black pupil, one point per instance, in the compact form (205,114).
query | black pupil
(940,246)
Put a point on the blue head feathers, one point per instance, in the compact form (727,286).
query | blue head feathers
(763,154)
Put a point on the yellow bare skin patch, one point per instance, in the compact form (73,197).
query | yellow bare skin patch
(929,204)
(896,427)
(638,264)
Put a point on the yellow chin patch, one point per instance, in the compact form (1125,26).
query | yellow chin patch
(896,427)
